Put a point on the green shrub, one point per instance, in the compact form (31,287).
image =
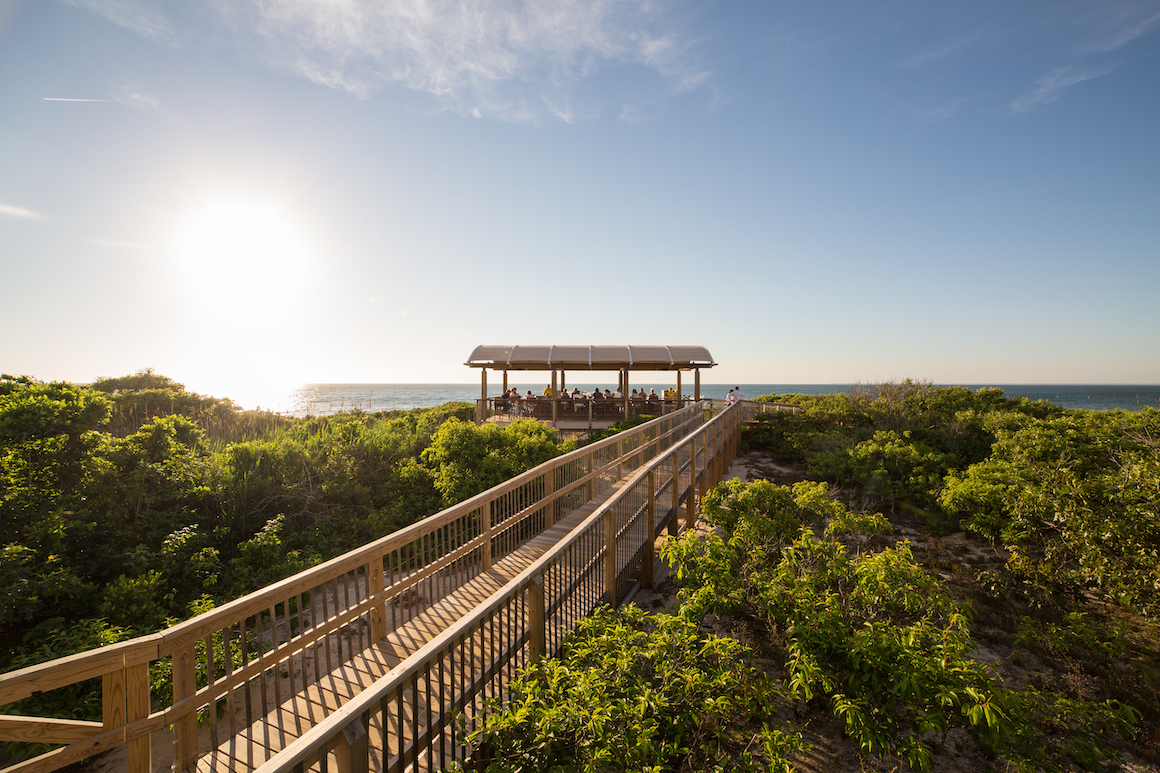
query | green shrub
(633,692)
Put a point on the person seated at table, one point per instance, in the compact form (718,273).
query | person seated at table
(617,394)
(670,393)
(652,395)
(513,393)
(576,393)
(529,395)
(548,391)
(597,394)
(636,395)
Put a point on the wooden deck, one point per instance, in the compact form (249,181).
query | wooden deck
(257,743)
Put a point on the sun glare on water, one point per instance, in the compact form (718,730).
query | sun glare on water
(239,268)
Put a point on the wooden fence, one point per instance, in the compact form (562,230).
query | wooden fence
(242,661)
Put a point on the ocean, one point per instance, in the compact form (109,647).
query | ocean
(324,399)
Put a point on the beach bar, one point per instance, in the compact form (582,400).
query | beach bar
(591,412)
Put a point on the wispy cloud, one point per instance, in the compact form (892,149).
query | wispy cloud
(1101,32)
(28,214)
(1120,25)
(942,112)
(74,99)
(942,51)
(142,16)
(1049,88)
(514,59)
(498,57)
(133,96)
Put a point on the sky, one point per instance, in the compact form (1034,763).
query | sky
(250,194)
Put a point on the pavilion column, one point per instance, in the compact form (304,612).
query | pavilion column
(481,411)
(624,390)
(697,384)
(505,384)
(680,397)
(555,394)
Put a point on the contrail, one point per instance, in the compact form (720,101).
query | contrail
(71,99)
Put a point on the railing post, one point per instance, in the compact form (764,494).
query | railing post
(485,515)
(378,611)
(591,469)
(113,700)
(610,556)
(536,622)
(137,707)
(549,490)
(619,455)
(352,750)
(647,561)
(185,726)
(674,519)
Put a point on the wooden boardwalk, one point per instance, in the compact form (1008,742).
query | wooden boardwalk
(258,742)
(364,662)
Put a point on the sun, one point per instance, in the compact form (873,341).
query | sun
(240,256)
(238,271)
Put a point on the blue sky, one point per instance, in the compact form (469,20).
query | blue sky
(263,193)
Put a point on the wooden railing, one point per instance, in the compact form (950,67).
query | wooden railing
(565,409)
(262,648)
(404,721)
(752,406)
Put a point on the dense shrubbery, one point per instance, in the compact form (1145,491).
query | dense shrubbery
(637,692)
(106,535)
(873,633)
(1073,495)
(867,631)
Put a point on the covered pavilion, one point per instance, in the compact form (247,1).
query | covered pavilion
(559,360)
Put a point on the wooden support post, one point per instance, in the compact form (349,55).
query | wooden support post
(697,384)
(137,707)
(113,700)
(485,527)
(537,629)
(591,469)
(379,610)
(610,556)
(351,749)
(624,393)
(650,537)
(549,490)
(481,412)
(674,519)
(185,726)
(555,396)
(715,478)
(690,512)
(680,395)
(719,447)
(505,382)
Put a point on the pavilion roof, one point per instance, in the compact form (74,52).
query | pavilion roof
(590,357)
